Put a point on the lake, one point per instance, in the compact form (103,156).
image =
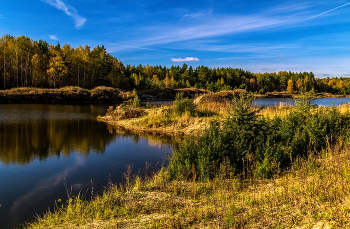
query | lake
(291,101)
(45,148)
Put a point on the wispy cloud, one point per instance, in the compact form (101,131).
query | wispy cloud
(197,15)
(53,37)
(211,28)
(327,11)
(69,10)
(122,47)
(287,8)
(211,32)
(268,70)
(185,59)
(239,48)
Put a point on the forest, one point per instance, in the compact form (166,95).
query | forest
(28,63)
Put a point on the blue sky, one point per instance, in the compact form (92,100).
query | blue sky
(259,36)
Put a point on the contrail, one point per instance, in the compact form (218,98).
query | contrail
(326,11)
(135,47)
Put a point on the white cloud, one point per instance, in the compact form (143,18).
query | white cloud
(185,59)
(53,37)
(69,10)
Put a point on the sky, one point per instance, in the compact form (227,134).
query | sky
(257,36)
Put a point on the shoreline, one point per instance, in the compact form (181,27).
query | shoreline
(101,94)
(65,95)
(197,126)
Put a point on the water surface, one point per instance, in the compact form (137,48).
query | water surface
(44,146)
(291,101)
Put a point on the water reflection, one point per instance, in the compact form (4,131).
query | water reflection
(23,141)
(42,146)
(154,139)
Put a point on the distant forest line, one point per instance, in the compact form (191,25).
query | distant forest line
(28,63)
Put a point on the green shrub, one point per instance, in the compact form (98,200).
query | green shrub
(182,105)
(249,143)
(136,101)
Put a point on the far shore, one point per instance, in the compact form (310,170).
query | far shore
(101,94)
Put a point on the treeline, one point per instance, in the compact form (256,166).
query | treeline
(28,63)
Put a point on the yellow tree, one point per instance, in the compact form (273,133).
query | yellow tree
(155,80)
(167,80)
(57,68)
(222,81)
(36,69)
(172,82)
(300,84)
(290,86)
(136,78)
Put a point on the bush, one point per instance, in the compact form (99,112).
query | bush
(261,91)
(249,143)
(243,86)
(136,101)
(219,147)
(182,105)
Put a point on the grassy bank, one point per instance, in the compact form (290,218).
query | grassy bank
(313,193)
(208,108)
(183,117)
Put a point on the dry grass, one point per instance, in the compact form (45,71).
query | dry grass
(314,193)
(276,111)
(344,108)
(212,104)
